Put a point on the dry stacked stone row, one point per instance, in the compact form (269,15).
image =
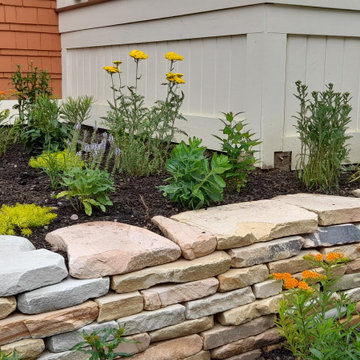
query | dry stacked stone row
(200,292)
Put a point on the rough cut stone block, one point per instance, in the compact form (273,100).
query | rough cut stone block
(193,241)
(68,293)
(65,341)
(141,344)
(176,349)
(217,303)
(185,328)
(7,306)
(202,355)
(115,306)
(179,271)
(26,349)
(266,252)
(348,281)
(242,224)
(250,355)
(164,295)
(152,320)
(67,355)
(13,328)
(240,278)
(248,312)
(353,266)
(246,345)
(330,209)
(267,288)
(60,321)
(14,244)
(350,251)
(353,294)
(101,248)
(292,265)
(220,335)
(30,270)
(332,235)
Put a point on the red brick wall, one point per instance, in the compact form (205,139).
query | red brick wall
(29,32)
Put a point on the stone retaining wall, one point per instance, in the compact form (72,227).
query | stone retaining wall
(200,292)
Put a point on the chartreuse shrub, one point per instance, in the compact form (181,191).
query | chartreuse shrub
(6,356)
(195,182)
(102,344)
(304,318)
(23,217)
(322,123)
(238,145)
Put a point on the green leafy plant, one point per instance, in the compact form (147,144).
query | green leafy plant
(315,319)
(76,110)
(103,343)
(23,217)
(194,183)
(238,146)
(322,123)
(5,127)
(87,188)
(7,356)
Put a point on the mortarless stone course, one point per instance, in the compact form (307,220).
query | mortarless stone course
(251,355)
(142,342)
(202,355)
(67,355)
(267,288)
(348,281)
(7,306)
(26,349)
(13,328)
(350,251)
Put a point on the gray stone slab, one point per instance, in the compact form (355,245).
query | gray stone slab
(30,270)
(332,235)
(67,355)
(13,244)
(65,294)
(65,341)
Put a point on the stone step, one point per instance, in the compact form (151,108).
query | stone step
(102,248)
(68,293)
(30,270)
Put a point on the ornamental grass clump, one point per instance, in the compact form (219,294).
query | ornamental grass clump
(315,319)
(23,217)
(322,123)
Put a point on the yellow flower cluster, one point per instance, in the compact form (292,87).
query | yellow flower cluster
(138,54)
(172,56)
(117,62)
(111,69)
(60,160)
(175,77)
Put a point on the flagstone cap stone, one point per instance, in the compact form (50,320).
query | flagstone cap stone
(330,209)
(103,248)
(30,270)
(242,224)
(12,244)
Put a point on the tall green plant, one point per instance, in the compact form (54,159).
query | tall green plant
(76,110)
(322,123)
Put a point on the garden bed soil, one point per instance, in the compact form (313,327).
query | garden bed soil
(136,199)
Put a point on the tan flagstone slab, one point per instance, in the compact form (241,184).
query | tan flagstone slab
(26,349)
(202,355)
(7,306)
(330,209)
(13,328)
(242,224)
(101,248)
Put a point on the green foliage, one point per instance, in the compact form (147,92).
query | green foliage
(304,318)
(76,111)
(103,343)
(6,356)
(87,188)
(321,123)
(5,127)
(238,145)
(194,183)
(23,217)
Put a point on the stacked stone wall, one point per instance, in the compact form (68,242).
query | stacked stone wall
(200,292)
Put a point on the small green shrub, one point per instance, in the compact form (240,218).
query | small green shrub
(194,183)
(23,217)
(103,343)
(322,123)
(238,145)
(76,111)
(6,356)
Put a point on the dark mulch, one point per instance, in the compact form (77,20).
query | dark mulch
(136,200)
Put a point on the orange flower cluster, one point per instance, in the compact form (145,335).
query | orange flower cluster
(307,274)
(282,276)
(332,256)
(290,282)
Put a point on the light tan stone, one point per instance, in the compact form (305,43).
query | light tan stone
(193,241)
(240,278)
(61,321)
(250,355)
(175,349)
(267,288)
(350,251)
(246,345)
(248,312)
(220,335)
(330,209)
(353,266)
(13,328)
(242,224)
(140,344)
(101,248)
(114,306)
(179,271)
(185,328)
(164,295)
(202,355)
(292,265)
(26,349)
(7,306)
